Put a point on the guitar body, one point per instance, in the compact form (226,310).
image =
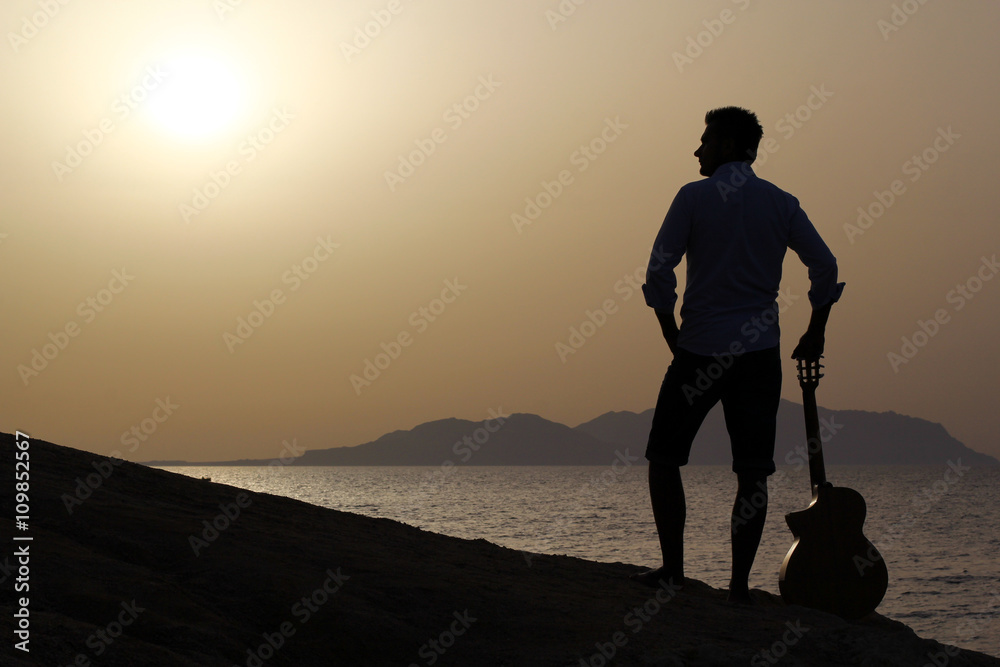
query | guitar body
(832,566)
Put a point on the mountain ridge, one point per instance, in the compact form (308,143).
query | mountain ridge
(851,437)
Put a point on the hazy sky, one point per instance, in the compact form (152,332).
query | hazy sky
(214,214)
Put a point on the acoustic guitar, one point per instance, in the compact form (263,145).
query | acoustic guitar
(831,566)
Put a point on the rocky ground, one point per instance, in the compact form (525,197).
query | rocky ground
(131,566)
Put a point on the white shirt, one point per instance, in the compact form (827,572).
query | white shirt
(734,228)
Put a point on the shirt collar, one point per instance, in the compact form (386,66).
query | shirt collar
(726,169)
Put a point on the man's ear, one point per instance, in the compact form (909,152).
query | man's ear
(729,146)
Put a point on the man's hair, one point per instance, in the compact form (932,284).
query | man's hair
(738,124)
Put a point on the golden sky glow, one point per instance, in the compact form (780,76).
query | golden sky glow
(214,214)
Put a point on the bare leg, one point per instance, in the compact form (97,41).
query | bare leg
(666,494)
(749,513)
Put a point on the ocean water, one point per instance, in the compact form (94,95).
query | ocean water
(938,527)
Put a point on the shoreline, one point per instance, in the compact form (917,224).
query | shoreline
(210,574)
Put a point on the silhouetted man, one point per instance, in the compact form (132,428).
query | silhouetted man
(734,229)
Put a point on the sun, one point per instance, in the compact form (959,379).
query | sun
(200,97)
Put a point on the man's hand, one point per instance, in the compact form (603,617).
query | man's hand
(671,339)
(810,346)
(668,325)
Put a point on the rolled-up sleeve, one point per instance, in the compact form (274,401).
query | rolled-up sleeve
(660,289)
(806,242)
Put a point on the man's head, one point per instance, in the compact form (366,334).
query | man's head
(731,135)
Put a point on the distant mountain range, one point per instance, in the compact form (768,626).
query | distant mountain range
(852,437)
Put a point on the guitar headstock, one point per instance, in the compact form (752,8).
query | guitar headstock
(809,372)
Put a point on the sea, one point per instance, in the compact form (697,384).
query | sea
(937,527)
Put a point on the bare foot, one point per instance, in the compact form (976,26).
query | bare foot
(658,577)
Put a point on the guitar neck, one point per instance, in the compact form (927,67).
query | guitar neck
(817,469)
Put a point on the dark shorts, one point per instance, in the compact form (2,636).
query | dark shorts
(749,387)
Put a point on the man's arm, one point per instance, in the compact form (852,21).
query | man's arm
(660,288)
(813,340)
(668,325)
(806,242)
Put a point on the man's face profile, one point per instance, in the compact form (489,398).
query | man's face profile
(712,152)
